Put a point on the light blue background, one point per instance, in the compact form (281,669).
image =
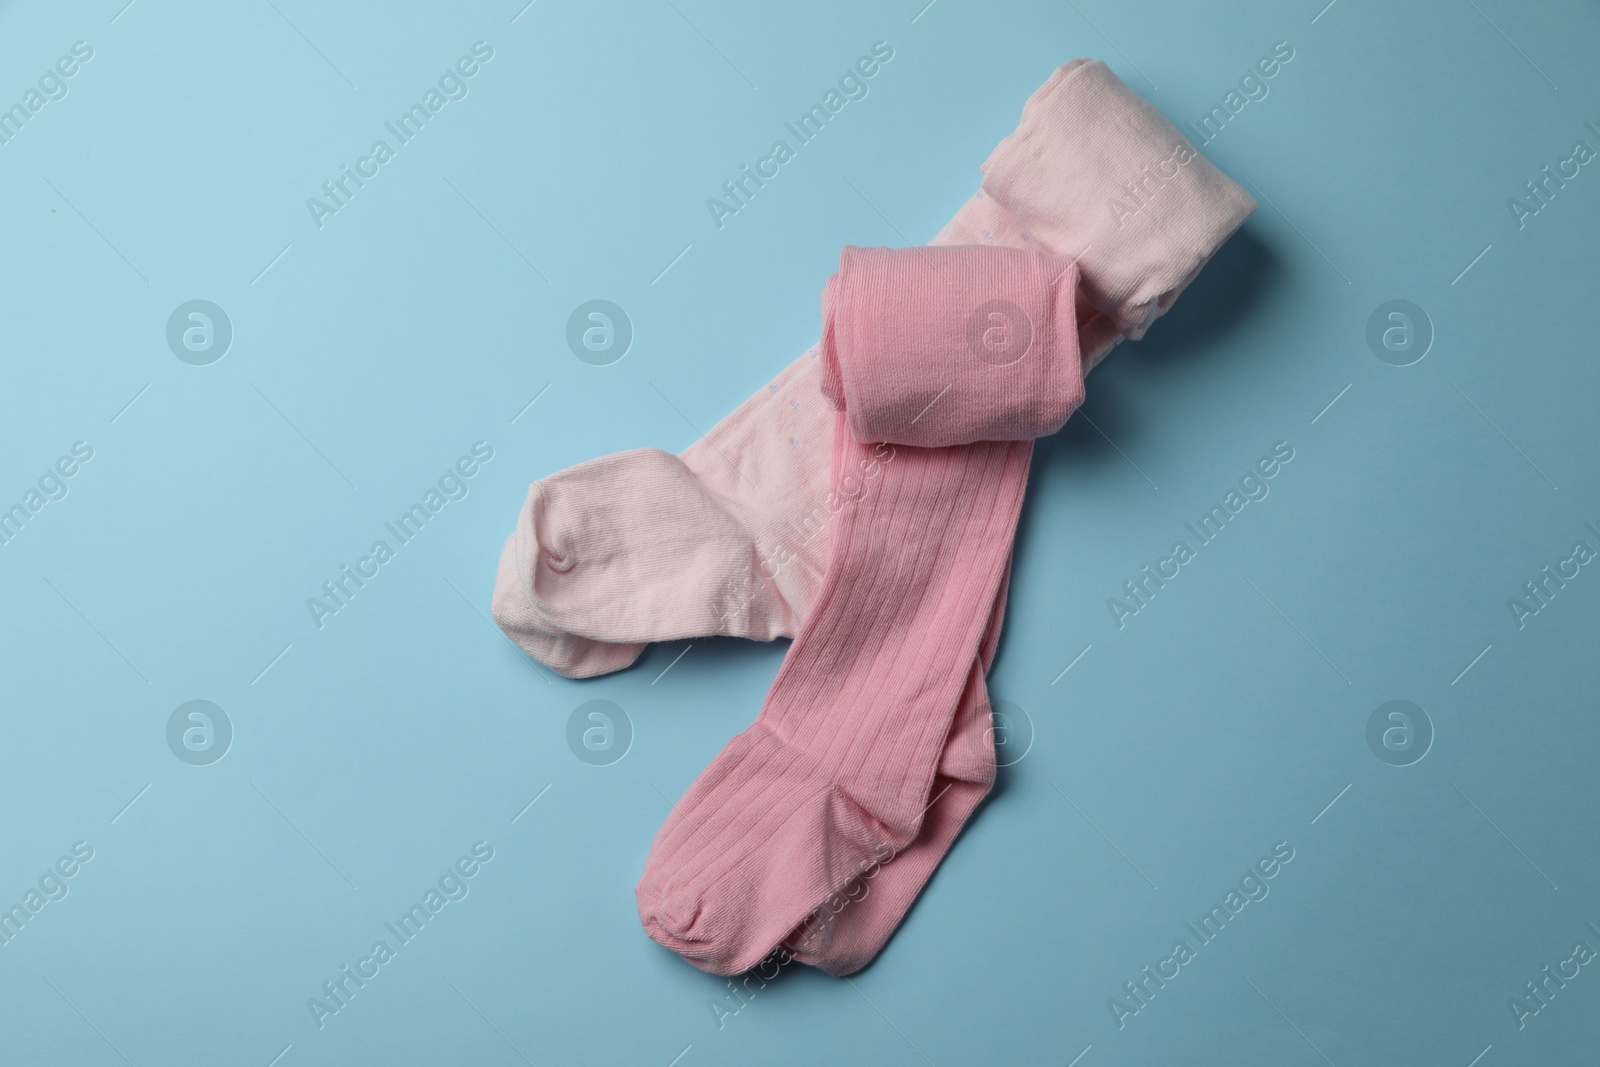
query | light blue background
(370,754)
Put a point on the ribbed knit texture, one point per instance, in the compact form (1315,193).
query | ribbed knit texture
(845,932)
(840,764)
(838,770)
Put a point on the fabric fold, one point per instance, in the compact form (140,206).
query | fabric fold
(933,347)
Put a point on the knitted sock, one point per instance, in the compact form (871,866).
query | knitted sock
(851,926)
(847,930)
(838,769)
(728,539)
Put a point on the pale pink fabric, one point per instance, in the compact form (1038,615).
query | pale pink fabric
(1095,172)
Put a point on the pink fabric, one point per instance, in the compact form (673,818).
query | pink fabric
(1095,173)
(840,765)
(1060,184)
(839,768)
(849,927)
(946,346)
